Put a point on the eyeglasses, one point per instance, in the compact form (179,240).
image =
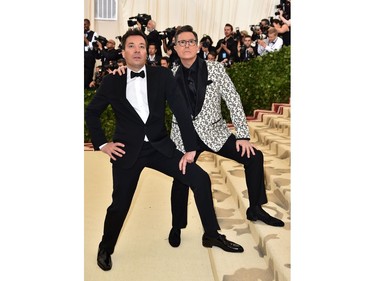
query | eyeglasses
(184,43)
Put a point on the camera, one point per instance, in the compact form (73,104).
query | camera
(254,27)
(119,38)
(285,7)
(141,18)
(206,44)
(168,33)
(101,39)
(112,65)
(262,36)
(237,36)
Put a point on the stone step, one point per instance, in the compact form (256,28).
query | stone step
(277,110)
(273,242)
(276,144)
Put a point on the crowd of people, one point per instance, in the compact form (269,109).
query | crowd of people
(270,35)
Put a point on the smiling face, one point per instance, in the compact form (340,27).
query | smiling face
(135,52)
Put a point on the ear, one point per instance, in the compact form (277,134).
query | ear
(123,53)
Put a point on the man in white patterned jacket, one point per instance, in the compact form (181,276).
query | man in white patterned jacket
(204,84)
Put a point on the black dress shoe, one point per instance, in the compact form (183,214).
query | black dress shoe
(222,243)
(104,260)
(174,237)
(257,213)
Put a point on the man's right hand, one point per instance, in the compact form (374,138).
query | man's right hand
(113,148)
(120,70)
(187,158)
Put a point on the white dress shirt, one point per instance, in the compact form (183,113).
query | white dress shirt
(136,94)
(90,46)
(270,46)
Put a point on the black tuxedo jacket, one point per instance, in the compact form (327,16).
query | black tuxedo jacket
(130,129)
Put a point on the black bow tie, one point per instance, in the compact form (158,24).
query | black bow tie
(135,74)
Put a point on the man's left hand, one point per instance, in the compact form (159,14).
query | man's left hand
(246,147)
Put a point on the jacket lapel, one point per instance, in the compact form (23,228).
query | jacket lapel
(179,76)
(151,95)
(202,85)
(125,101)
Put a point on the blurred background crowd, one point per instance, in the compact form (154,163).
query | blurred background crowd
(103,55)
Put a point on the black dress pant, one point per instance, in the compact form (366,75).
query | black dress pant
(125,183)
(254,175)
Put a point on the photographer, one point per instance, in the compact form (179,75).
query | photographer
(89,58)
(264,25)
(257,35)
(153,36)
(165,62)
(226,48)
(283,31)
(153,58)
(98,76)
(108,53)
(284,12)
(168,46)
(245,51)
(271,44)
(285,20)
(205,46)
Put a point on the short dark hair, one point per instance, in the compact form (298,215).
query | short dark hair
(213,53)
(185,28)
(122,60)
(132,32)
(266,20)
(277,21)
(231,26)
(167,59)
(206,38)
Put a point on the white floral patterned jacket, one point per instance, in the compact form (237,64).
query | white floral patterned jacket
(214,84)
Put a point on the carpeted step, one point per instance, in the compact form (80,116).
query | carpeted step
(273,242)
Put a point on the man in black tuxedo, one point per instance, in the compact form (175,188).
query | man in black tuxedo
(141,140)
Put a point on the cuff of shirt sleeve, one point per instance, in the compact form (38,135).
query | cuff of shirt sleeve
(100,147)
